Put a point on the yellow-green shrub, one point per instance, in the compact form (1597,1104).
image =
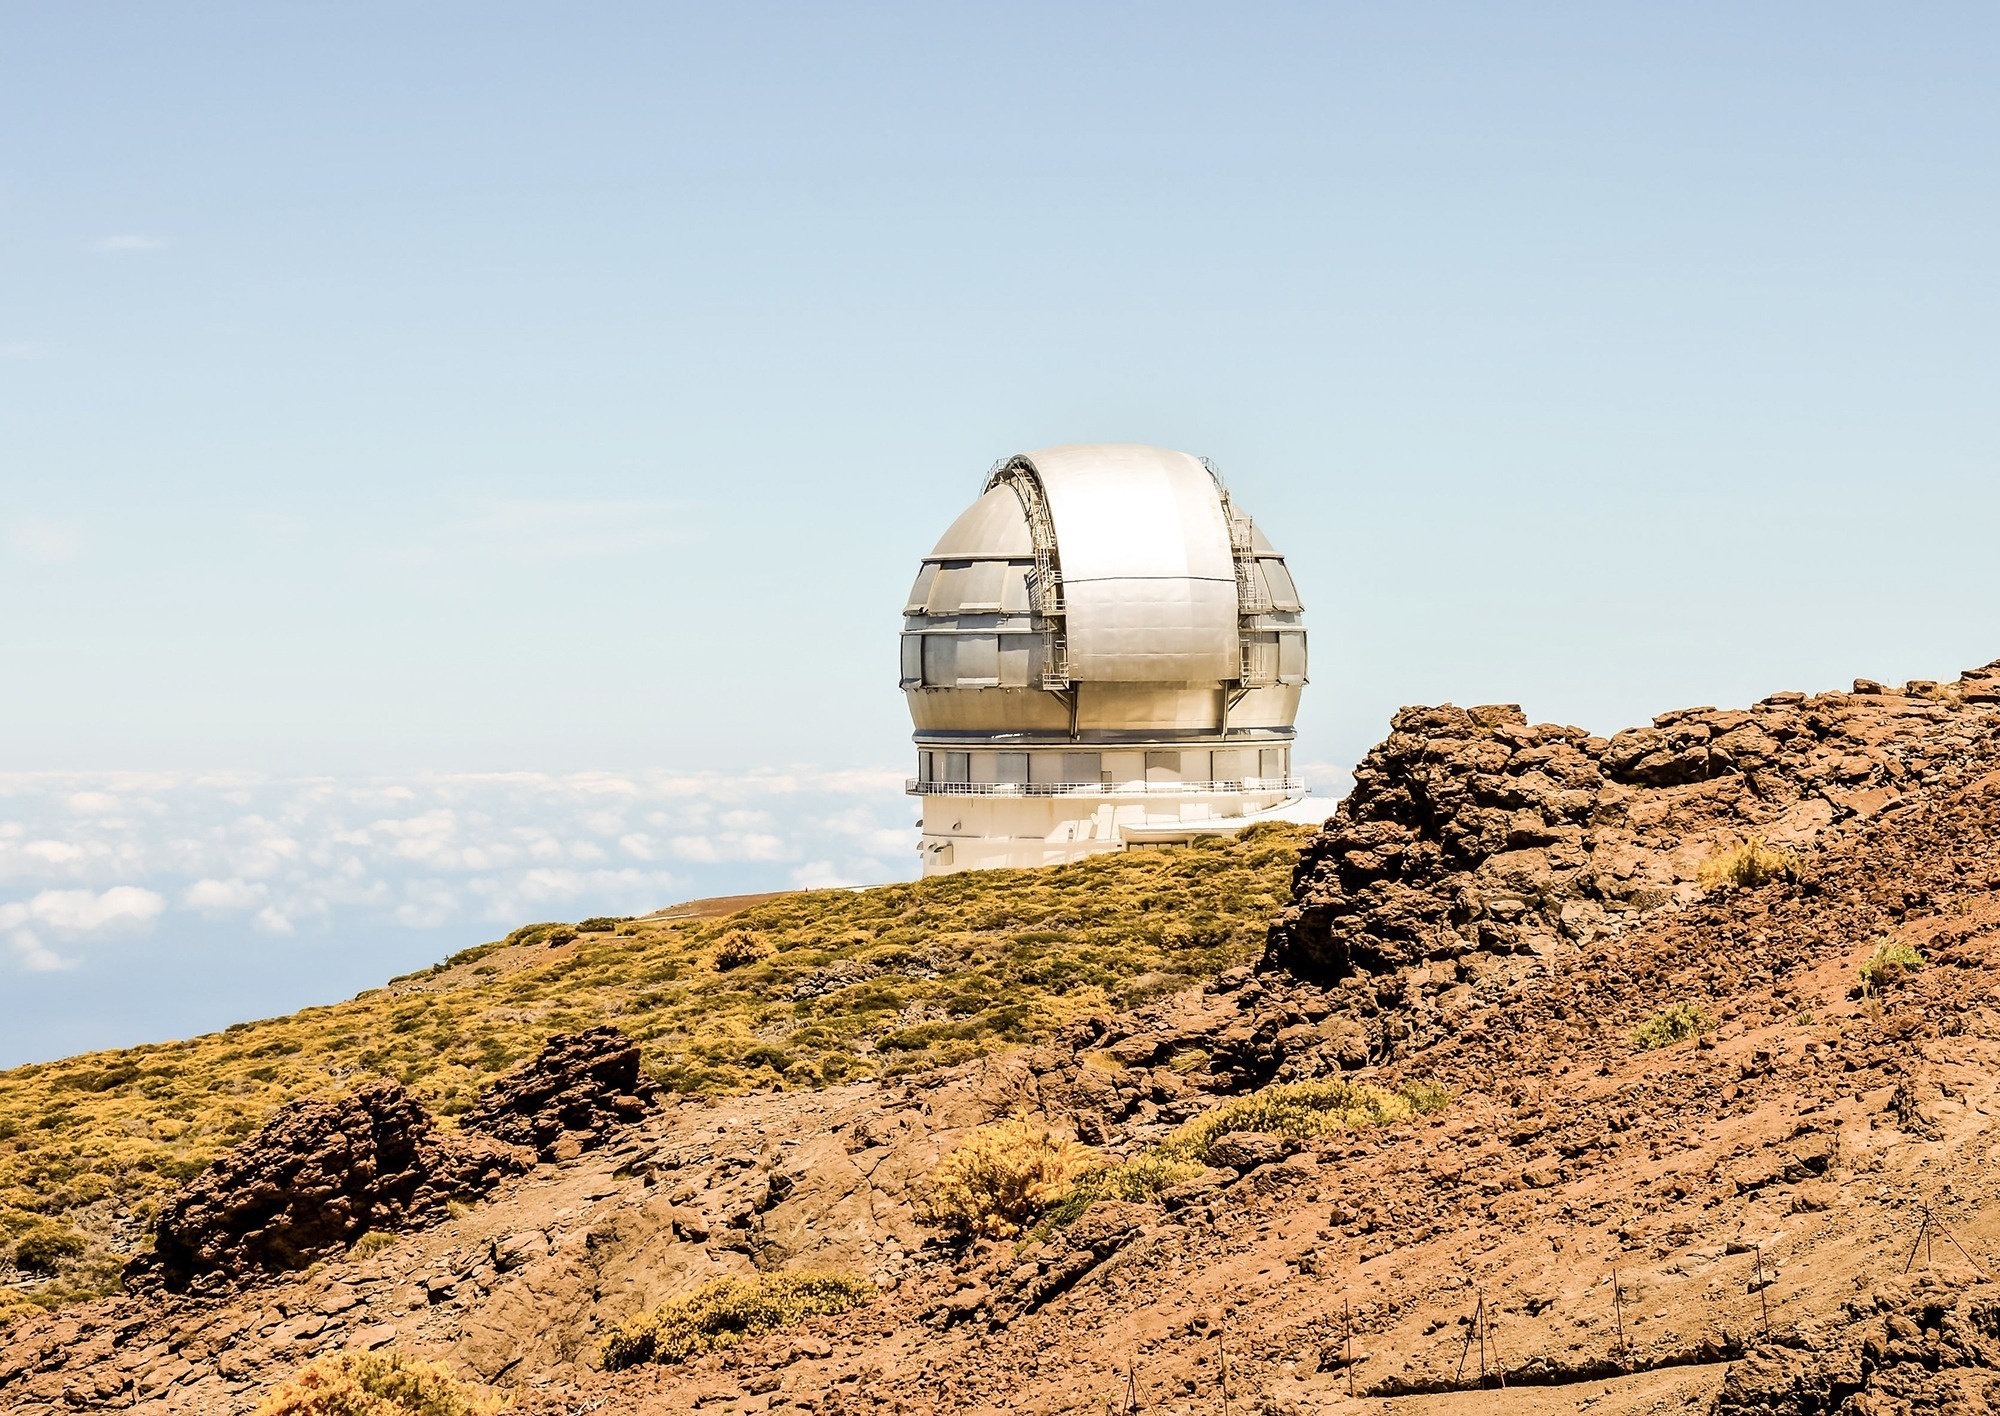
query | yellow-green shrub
(371,1244)
(1000,1177)
(370,1384)
(1303,1109)
(1887,965)
(723,1313)
(1677,1022)
(1747,864)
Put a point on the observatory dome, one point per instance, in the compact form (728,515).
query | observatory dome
(1103,649)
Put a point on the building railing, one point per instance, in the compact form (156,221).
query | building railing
(914,786)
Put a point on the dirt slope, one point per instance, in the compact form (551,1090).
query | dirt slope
(1720,1224)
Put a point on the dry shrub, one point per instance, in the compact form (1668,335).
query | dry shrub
(1677,1022)
(371,1244)
(46,1248)
(739,947)
(1002,1176)
(1747,865)
(1302,1109)
(368,1384)
(723,1313)
(1888,965)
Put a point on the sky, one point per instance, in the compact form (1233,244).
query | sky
(413,419)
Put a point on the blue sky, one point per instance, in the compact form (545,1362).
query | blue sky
(391,394)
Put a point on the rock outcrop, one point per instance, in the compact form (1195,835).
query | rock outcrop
(318,1176)
(1471,830)
(580,1091)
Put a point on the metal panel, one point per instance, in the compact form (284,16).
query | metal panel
(1148,582)
(940,661)
(947,589)
(1010,767)
(1284,594)
(920,593)
(979,659)
(995,525)
(980,589)
(1014,589)
(1018,653)
(913,658)
(1291,657)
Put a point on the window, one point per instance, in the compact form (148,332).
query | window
(978,659)
(913,658)
(923,766)
(1082,767)
(1010,767)
(1163,767)
(940,660)
(1234,764)
(958,766)
(1291,657)
(1272,765)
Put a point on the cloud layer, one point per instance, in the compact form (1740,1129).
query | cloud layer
(86,857)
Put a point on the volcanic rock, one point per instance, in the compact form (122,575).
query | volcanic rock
(581,1090)
(318,1176)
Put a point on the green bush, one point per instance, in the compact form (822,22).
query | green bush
(723,1313)
(1675,1023)
(46,1249)
(1302,1109)
(1888,965)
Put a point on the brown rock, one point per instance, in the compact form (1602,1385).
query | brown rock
(318,1176)
(581,1090)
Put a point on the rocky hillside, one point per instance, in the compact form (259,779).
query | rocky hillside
(791,992)
(1645,1073)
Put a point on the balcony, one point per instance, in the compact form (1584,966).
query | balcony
(912,786)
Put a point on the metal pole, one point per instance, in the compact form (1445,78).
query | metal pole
(1347,1319)
(1618,1312)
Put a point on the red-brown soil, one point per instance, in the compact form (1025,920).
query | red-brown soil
(1496,907)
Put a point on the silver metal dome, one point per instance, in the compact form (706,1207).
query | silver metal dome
(1109,597)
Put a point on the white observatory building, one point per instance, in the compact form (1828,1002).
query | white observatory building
(1102,650)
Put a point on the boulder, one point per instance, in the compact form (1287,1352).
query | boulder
(581,1091)
(1246,1150)
(319,1175)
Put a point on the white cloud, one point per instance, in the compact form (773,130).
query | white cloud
(84,912)
(35,956)
(125,242)
(44,542)
(819,875)
(221,896)
(85,853)
(54,852)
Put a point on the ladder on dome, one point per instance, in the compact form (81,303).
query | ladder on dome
(1252,596)
(1045,582)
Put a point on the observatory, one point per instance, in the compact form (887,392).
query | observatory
(1103,650)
